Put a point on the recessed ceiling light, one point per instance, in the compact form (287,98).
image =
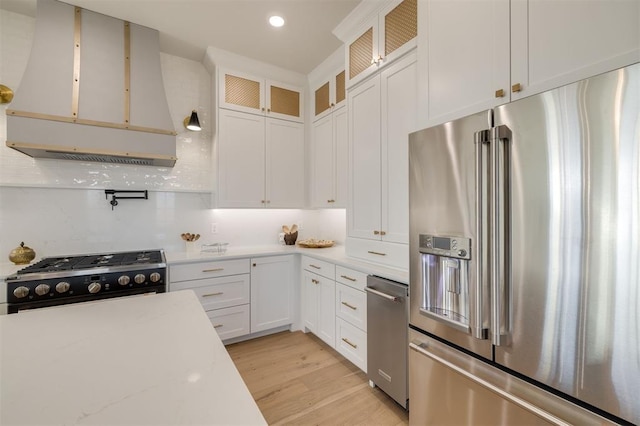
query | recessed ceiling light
(276,21)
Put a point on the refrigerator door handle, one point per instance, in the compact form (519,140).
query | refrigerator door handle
(500,225)
(480,287)
(422,348)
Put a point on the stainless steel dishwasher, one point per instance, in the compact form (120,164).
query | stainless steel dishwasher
(387,344)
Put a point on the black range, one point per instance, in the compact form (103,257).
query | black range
(78,278)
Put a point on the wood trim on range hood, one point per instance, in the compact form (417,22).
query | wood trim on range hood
(92,91)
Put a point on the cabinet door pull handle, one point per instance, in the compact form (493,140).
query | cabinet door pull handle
(349,306)
(315,281)
(376,232)
(383,232)
(376,253)
(516,88)
(213,294)
(217,326)
(500,93)
(349,343)
(315,266)
(254,265)
(213,270)
(348,278)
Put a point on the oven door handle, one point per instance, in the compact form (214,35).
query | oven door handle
(381,294)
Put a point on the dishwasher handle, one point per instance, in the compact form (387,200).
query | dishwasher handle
(381,294)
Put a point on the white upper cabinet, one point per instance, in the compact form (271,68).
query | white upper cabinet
(330,160)
(246,93)
(284,164)
(260,161)
(329,95)
(260,143)
(463,54)
(241,159)
(557,42)
(382,112)
(477,54)
(387,34)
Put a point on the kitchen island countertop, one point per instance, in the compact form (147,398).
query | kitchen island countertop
(135,360)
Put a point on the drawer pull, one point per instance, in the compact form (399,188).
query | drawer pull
(349,306)
(217,326)
(315,281)
(212,294)
(213,270)
(315,266)
(349,343)
(376,253)
(348,278)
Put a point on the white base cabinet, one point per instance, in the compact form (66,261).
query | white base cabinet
(223,288)
(318,294)
(335,307)
(272,301)
(351,316)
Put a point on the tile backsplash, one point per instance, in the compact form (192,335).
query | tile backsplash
(56,221)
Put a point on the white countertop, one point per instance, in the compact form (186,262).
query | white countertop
(151,360)
(334,254)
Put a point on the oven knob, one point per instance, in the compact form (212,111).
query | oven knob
(94,287)
(42,289)
(462,253)
(139,278)
(21,292)
(154,277)
(124,280)
(63,287)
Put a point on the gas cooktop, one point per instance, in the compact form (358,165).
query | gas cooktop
(82,262)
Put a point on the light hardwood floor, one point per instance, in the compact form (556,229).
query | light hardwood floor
(296,378)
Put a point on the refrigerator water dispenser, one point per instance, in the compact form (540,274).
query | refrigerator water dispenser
(445,280)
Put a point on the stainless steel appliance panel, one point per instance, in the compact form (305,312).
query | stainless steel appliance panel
(387,325)
(575,251)
(442,184)
(448,387)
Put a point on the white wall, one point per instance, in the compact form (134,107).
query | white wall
(59,207)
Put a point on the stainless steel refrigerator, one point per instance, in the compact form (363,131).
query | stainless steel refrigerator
(525,260)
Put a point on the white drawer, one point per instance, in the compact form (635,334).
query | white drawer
(230,322)
(355,279)
(320,267)
(351,306)
(218,268)
(222,292)
(390,254)
(351,342)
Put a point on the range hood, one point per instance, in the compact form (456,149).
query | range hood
(92,91)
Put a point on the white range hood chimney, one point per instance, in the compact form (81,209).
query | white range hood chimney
(92,91)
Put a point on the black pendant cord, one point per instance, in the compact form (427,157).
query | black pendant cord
(143,195)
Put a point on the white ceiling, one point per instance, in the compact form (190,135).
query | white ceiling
(187,27)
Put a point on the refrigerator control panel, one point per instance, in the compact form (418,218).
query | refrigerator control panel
(457,247)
